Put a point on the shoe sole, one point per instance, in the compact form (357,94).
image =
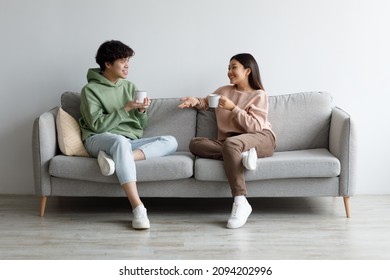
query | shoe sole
(141,226)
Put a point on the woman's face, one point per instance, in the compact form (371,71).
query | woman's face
(237,73)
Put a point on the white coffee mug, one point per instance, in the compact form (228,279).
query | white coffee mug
(140,96)
(213,100)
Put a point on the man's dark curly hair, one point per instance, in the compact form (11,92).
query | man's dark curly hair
(110,51)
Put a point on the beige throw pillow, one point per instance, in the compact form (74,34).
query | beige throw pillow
(69,135)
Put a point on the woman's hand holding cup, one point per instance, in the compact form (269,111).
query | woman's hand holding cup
(226,103)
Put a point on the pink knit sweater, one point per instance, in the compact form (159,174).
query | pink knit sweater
(250,114)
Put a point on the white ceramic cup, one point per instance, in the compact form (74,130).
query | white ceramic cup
(213,100)
(140,96)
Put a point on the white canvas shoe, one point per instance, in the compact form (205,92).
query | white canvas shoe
(249,159)
(106,164)
(239,215)
(140,218)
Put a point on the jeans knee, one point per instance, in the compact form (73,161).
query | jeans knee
(120,143)
(172,143)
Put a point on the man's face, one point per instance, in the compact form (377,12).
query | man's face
(118,69)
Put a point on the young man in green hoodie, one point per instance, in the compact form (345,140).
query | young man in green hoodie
(112,123)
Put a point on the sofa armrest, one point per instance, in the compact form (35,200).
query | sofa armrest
(342,145)
(44,147)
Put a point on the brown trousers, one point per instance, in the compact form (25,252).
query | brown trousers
(230,151)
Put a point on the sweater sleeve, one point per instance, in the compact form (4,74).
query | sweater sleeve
(254,117)
(142,118)
(203,104)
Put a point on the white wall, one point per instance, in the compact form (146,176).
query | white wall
(183,47)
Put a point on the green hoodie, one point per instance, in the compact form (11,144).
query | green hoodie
(102,108)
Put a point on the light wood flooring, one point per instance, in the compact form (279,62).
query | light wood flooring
(182,229)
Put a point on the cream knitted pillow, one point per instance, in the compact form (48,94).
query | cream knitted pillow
(69,135)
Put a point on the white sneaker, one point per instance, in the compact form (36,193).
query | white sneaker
(140,218)
(239,215)
(106,164)
(249,159)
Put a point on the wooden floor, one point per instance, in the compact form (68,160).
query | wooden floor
(182,229)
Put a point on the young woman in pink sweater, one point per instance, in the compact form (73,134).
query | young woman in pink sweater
(244,132)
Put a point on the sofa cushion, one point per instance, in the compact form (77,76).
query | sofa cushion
(172,167)
(69,135)
(70,102)
(291,164)
(206,124)
(301,120)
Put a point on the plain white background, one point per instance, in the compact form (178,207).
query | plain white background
(183,48)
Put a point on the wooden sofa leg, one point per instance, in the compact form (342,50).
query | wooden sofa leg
(347,205)
(43,206)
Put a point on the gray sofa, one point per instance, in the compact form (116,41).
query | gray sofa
(314,155)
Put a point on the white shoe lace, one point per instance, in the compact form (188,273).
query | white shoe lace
(234,210)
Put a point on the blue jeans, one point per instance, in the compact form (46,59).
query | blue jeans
(121,150)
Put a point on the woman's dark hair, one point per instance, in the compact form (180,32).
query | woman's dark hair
(248,61)
(110,51)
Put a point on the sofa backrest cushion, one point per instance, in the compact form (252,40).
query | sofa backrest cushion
(299,120)
(206,125)
(70,102)
(165,118)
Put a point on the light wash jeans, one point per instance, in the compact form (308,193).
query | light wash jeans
(121,150)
